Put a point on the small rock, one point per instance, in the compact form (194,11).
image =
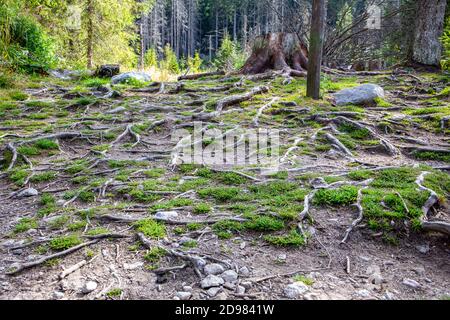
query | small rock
(229,285)
(246,284)
(58,295)
(17,252)
(176,298)
(318,183)
(295,290)
(132,266)
(214,268)
(30,192)
(124,77)
(411,283)
(363,293)
(221,296)
(419,270)
(229,276)
(31,232)
(166,215)
(373,269)
(240,290)
(60,202)
(242,245)
(212,292)
(388,296)
(211,281)
(424,249)
(89,286)
(281,257)
(187,289)
(376,279)
(183,295)
(244,272)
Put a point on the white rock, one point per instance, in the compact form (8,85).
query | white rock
(246,284)
(295,290)
(242,245)
(424,249)
(124,77)
(229,285)
(176,298)
(212,292)
(363,293)
(240,290)
(214,268)
(30,192)
(411,283)
(366,93)
(132,266)
(211,281)
(187,288)
(244,272)
(58,295)
(89,286)
(166,215)
(229,276)
(183,295)
(221,296)
(376,279)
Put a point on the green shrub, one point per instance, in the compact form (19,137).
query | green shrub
(342,196)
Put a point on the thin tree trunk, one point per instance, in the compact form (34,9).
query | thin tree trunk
(90,34)
(316,48)
(142,48)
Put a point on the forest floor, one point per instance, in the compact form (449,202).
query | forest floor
(101,163)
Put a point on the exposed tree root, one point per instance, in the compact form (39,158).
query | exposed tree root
(261,110)
(117,218)
(436,226)
(358,219)
(201,75)
(229,101)
(337,144)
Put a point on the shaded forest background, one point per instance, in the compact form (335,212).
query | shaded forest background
(186,35)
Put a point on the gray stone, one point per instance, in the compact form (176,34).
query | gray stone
(244,272)
(366,93)
(424,249)
(176,298)
(17,252)
(124,77)
(89,286)
(58,295)
(240,290)
(388,296)
(246,284)
(295,290)
(363,293)
(212,292)
(229,285)
(132,266)
(29,192)
(183,295)
(166,215)
(214,268)
(229,276)
(376,279)
(419,270)
(221,296)
(411,283)
(187,288)
(211,281)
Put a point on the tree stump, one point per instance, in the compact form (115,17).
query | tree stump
(108,70)
(277,51)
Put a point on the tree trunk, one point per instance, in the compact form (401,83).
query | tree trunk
(427,47)
(90,34)
(316,48)
(278,51)
(142,48)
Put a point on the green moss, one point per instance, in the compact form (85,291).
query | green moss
(18,95)
(43,177)
(150,228)
(225,228)
(155,254)
(25,224)
(360,175)
(293,238)
(381,103)
(231,178)
(354,132)
(46,144)
(28,150)
(114,293)
(202,208)
(97,231)
(173,203)
(221,194)
(190,244)
(155,173)
(304,279)
(432,155)
(18,176)
(64,242)
(336,197)
(395,178)
(264,223)
(76,226)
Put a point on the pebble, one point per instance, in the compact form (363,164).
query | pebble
(187,289)
(295,290)
(183,295)
(424,249)
(132,266)
(240,290)
(411,283)
(229,285)
(246,284)
(419,270)
(229,276)
(89,286)
(166,215)
(242,245)
(211,281)
(221,296)
(214,268)
(363,293)
(30,192)
(376,279)
(244,272)
(58,295)
(212,292)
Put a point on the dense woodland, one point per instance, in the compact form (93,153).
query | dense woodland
(104,102)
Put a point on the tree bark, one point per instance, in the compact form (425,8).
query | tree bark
(276,51)
(427,48)
(316,48)
(90,34)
